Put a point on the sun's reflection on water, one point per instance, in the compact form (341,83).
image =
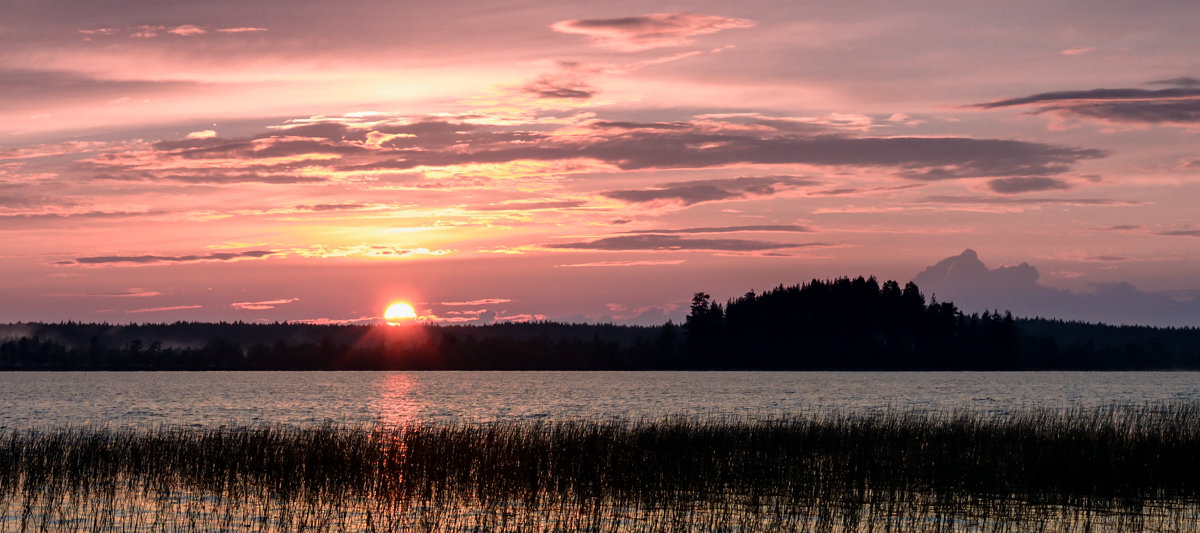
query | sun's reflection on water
(396,404)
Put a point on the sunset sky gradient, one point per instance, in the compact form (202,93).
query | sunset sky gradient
(579,161)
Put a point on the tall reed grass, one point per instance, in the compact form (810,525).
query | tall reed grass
(1112,469)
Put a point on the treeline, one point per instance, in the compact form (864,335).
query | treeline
(841,324)
(860,324)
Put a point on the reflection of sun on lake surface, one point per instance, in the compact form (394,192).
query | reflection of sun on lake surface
(396,403)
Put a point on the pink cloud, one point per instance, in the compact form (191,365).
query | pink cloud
(622,263)
(187,30)
(1078,51)
(160,309)
(523,317)
(246,29)
(485,301)
(263,305)
(657,30)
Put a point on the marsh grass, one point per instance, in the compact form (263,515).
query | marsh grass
(1111,469)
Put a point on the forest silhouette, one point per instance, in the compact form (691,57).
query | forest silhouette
(839,324)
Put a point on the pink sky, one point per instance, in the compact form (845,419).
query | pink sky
(299,160)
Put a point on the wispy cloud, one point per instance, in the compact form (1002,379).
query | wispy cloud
(677,243)
(1030,184)
(1180,233)
(788,228)
(242,29)
(657,30)
(950,199)
(484,301)
(1180,104)
(160,259)
(617,264)
(529,206)
(699,191)
(317,153)
(262,305)
(162,309)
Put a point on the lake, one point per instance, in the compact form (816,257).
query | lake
(154,399)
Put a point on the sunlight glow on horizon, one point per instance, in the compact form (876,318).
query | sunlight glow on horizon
(400,313)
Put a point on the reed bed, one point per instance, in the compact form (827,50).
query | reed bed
(1111,469)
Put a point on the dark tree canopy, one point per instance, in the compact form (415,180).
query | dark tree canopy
(844,323)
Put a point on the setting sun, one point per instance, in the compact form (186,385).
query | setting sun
(399,311)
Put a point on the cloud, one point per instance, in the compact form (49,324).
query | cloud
(677,243)
(1078,51)
(323,208)
(520,317)
(729,229)
(187,30)
(127,293)
(657,30)
(1030,184)
(1172,105)
(161,309)
(993,200)
(15,220)
(559,87)
(24,89)
(158,259)
(612,264)
(1180,233)
(528,206)
(699,191)
(202,134)
(974,287)
(263,305)
(244,29)
(315,152)
(366,250)
(484,301)
(1182,81)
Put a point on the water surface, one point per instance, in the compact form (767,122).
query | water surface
(153,399)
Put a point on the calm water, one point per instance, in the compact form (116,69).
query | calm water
(211,398)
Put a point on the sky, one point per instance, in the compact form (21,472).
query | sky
(580,161)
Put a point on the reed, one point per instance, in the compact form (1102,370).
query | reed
(1117,468)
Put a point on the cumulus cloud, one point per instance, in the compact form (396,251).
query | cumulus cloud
(1180,104)
(657,30)
(1029,184)
(160,259)
(970,284)
(699,191)
(658,242)
(263,305)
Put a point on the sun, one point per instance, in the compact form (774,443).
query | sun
(399,312)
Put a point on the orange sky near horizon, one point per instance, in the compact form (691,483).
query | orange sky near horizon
(531,160)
